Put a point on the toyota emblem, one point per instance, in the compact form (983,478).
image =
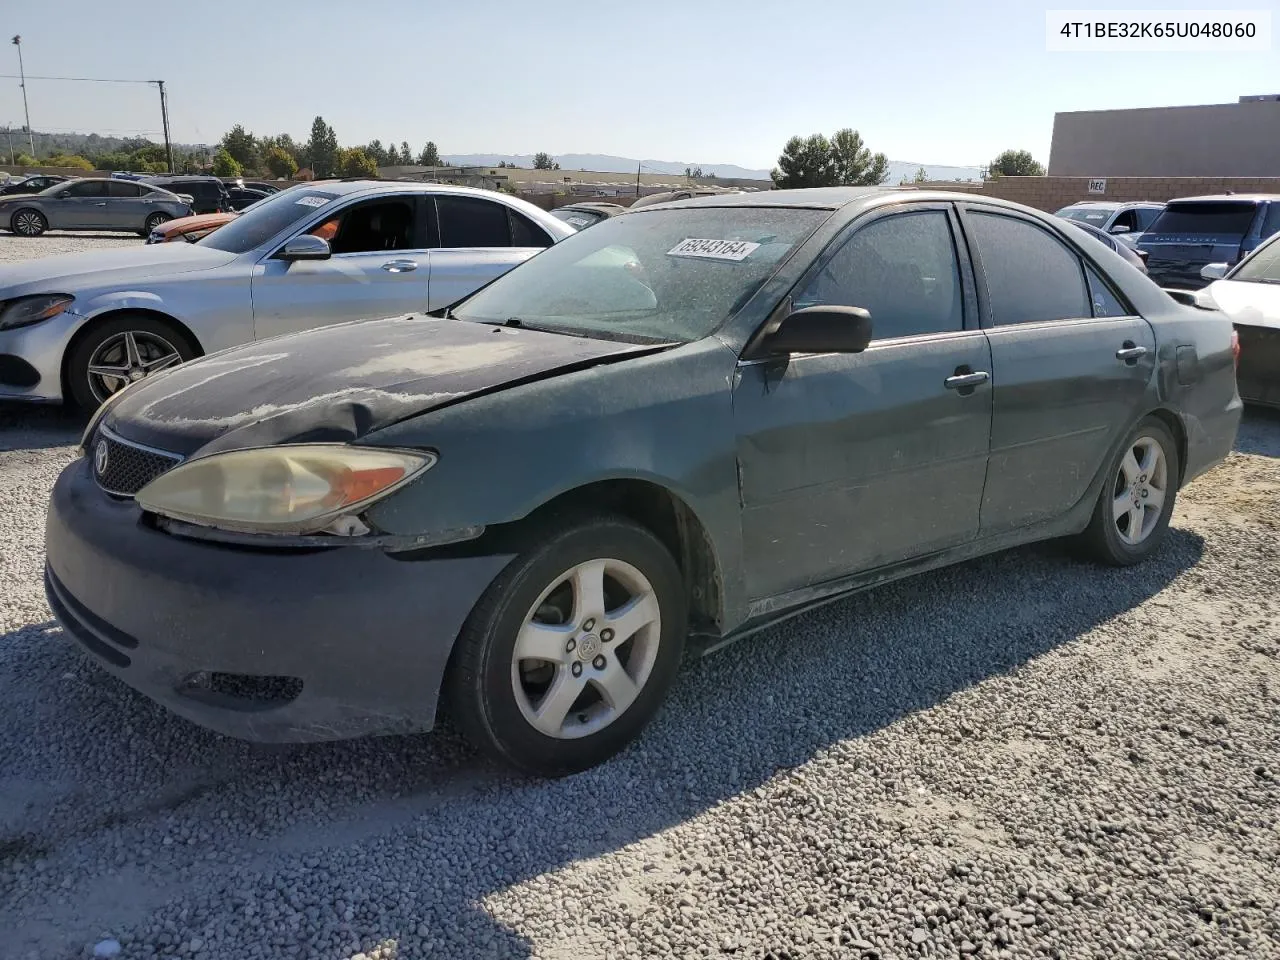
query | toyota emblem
(100,457)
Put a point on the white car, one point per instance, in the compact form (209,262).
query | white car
(1249,293)
(81,326)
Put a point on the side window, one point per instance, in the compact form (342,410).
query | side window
(472,222)
(1127,218)
(902,269)
(87,188)
(1271,222)
(374,226)
(1105,303)
(526,233)
(1146,217)
(1031,277)
(122,188)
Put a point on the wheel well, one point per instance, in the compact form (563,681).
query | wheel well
(671,520)
(1174,423)
(93,324)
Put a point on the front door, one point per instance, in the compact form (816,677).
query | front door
(379,268)
(852,461)
(1071,366)
(81,205)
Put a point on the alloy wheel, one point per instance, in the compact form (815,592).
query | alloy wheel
(125,357)
(28,223)
(1140,489)
(586,649)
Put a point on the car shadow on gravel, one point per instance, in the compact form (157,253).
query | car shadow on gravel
(1259,432)
(734,721)
(28,426)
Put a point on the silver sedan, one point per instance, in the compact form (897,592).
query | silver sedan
(81,326)
(91,204)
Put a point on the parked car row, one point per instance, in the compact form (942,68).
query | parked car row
(563,455)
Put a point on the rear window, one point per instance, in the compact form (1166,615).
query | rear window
(1218,218)
(1094,215)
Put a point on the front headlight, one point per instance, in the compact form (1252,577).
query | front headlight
(297,489)
(23,311)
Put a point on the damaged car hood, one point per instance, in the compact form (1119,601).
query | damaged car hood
(339,383)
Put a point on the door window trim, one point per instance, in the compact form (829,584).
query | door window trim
(1060,235)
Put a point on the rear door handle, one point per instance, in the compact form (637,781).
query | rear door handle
(102,204)
(1130,352)
(400,266)
(962,380)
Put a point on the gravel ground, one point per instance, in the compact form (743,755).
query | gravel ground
(1023,756)
(14,248)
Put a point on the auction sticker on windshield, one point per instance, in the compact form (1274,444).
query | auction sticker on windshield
(714,249)
(313,201)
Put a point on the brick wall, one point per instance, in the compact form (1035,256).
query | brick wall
(1053,193)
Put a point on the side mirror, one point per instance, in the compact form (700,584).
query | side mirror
(1213,271)
(305,247)
(1119,228)
(821,329)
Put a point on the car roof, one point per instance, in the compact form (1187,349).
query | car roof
(835,198)
(1227,197)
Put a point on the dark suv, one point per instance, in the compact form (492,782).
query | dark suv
(1195,231)
(208,194)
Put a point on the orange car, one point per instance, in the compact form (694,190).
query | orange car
(190,229)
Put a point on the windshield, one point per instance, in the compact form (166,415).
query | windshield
(577,218)
(1094,215)
(1205,219)
(670,275)
(1263,266)
(267,217)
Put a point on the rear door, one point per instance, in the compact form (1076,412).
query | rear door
(1191,233)
(378,269)
(479,240)
(125,207)
(1071,364)
(81,205)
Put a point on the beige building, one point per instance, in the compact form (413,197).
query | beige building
(1212,140)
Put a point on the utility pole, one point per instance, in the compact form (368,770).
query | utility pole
(22,82)
(8,132)
(638,166)
(164,119)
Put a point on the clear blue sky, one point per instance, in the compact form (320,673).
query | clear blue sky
(937,82)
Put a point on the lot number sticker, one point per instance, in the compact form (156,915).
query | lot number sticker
(312,201)
(714,249)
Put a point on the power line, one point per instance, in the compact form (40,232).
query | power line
(14,76)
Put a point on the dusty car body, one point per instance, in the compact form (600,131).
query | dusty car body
(1249,294)
(687,422)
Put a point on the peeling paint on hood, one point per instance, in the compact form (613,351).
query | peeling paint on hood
(339,383)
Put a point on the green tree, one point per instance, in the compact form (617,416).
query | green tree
(355,162)
(280,163)
(922,176)
(543,161)
(805,162)
(225,165)
(242,147)
(1014,163)
(24,160)
(322,149)
(430,156)
(855,165)
(150,158)
(406,155)
(375,151)
(283,142)
(72,161)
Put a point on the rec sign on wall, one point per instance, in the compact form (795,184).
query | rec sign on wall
(1098,186)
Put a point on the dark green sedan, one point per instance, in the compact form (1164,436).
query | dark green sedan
(669,430)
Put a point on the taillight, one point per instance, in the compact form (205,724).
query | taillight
(1235,348)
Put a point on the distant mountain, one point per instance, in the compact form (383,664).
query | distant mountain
(605,163)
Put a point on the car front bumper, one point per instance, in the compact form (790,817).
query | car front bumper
(34,353)
(265,645)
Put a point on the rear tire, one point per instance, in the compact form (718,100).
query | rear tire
(572,649)
(28,222)
(128,344)
(1131,518)
(154,221)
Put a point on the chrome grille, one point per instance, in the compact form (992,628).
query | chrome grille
(122,467)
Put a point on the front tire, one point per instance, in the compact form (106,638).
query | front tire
(572,649)
(120,350)
(153,221)
(1132,515)
(28,222)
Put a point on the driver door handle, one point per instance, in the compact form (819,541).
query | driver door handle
(400,266)
(102,204)
(962,380)
(1130,352)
